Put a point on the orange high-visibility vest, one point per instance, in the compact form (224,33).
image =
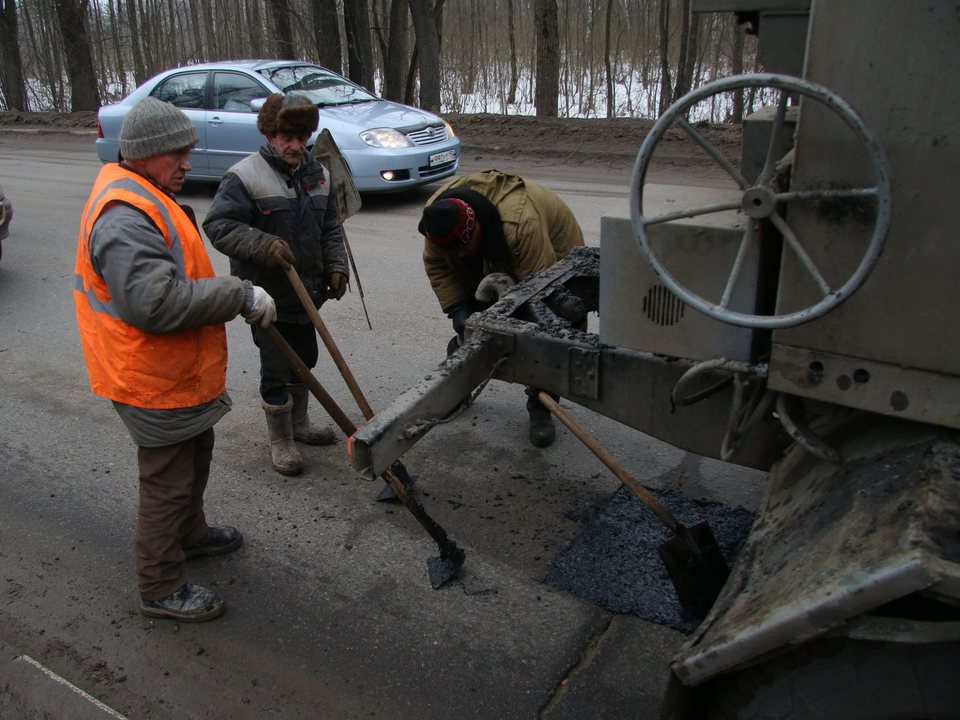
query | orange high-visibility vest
(127,364)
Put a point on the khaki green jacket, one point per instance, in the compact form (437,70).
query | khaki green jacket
(539,227)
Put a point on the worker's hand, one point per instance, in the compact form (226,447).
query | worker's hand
(259,307)
(459,314)
(279,254)
(337,286)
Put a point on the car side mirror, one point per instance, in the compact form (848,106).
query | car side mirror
(256,104)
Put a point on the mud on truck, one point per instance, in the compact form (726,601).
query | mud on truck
(805,327)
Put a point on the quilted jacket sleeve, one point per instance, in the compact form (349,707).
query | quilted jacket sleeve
(229,223)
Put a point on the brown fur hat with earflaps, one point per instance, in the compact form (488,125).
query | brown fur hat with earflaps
(291,114)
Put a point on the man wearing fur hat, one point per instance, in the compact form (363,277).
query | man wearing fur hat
(151,314)
(494,222)
(275,208)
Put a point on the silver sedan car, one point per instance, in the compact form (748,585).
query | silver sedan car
(387,146)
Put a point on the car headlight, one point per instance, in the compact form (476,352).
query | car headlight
(385,138)
(450,132)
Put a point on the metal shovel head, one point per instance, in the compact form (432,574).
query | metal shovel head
(697,574)
(445,567)
(326,151)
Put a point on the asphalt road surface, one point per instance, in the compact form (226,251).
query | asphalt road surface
(330,612)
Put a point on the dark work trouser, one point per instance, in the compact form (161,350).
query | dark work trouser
(170,517)
(275,371)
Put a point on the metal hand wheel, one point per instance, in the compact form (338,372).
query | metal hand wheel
(763,200)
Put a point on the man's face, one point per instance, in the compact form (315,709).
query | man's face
(289,147)
(472,247)
(168,170)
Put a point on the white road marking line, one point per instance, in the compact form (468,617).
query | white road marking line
(56,678)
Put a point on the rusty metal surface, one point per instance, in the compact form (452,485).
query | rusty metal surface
(905,392)
(830,543)
(519,340)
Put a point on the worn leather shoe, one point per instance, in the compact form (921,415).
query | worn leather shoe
(542,431)
(190,603)
(217,541)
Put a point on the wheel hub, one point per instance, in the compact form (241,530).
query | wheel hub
(758,202)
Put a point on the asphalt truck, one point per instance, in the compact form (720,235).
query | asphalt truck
(806,327)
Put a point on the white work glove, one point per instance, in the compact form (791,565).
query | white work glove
(493,286)
(258,307)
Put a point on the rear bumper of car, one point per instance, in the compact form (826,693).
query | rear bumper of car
(108,150)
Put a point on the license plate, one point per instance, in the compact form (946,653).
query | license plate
(444,157)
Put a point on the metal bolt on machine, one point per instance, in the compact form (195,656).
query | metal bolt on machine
(807,327)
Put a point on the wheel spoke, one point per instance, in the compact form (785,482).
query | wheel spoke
(767,173)
(715,154)
(827,194)
(680,214)
(745,243)
(807,261)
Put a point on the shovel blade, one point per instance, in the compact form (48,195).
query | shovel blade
(698,574)
(444,568)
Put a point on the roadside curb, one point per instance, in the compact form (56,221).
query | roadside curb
(48,131)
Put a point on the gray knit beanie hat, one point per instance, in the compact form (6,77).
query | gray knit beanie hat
(154,127)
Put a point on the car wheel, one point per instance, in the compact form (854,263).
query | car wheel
(840,678)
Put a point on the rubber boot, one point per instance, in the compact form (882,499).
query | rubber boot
(303,430)
(542,431)
(283,452)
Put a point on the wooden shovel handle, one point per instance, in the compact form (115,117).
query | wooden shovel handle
(607,459)
(447,546)
(328,341)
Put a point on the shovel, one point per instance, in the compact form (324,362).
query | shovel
(692,557)
(341,364)
(442,568)
(348,198)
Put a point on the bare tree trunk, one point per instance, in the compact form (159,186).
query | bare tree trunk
(683,55)
(665,83)
(396,54)
(200,50)
(691,62)
(76,45)
(428,52)
(255,27)
(139,72)
(606,61)
(172,33)
(514,73)
(326,30)
(548,58)
(117,48)
(737,70)
(409,93)
(11,65)
(279,13)
(356,20)
(211,50)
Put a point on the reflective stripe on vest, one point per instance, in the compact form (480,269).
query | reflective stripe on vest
(127,364)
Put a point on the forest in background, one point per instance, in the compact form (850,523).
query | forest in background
(553,58)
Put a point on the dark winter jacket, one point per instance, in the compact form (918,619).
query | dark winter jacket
(260,200)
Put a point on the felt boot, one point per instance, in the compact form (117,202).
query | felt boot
(541,423)
(303,430)
(283,452)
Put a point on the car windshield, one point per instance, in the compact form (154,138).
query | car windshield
(321,86)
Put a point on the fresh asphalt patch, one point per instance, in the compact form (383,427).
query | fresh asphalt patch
(614,560)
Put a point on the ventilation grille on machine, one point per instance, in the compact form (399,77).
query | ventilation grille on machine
(662,306)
